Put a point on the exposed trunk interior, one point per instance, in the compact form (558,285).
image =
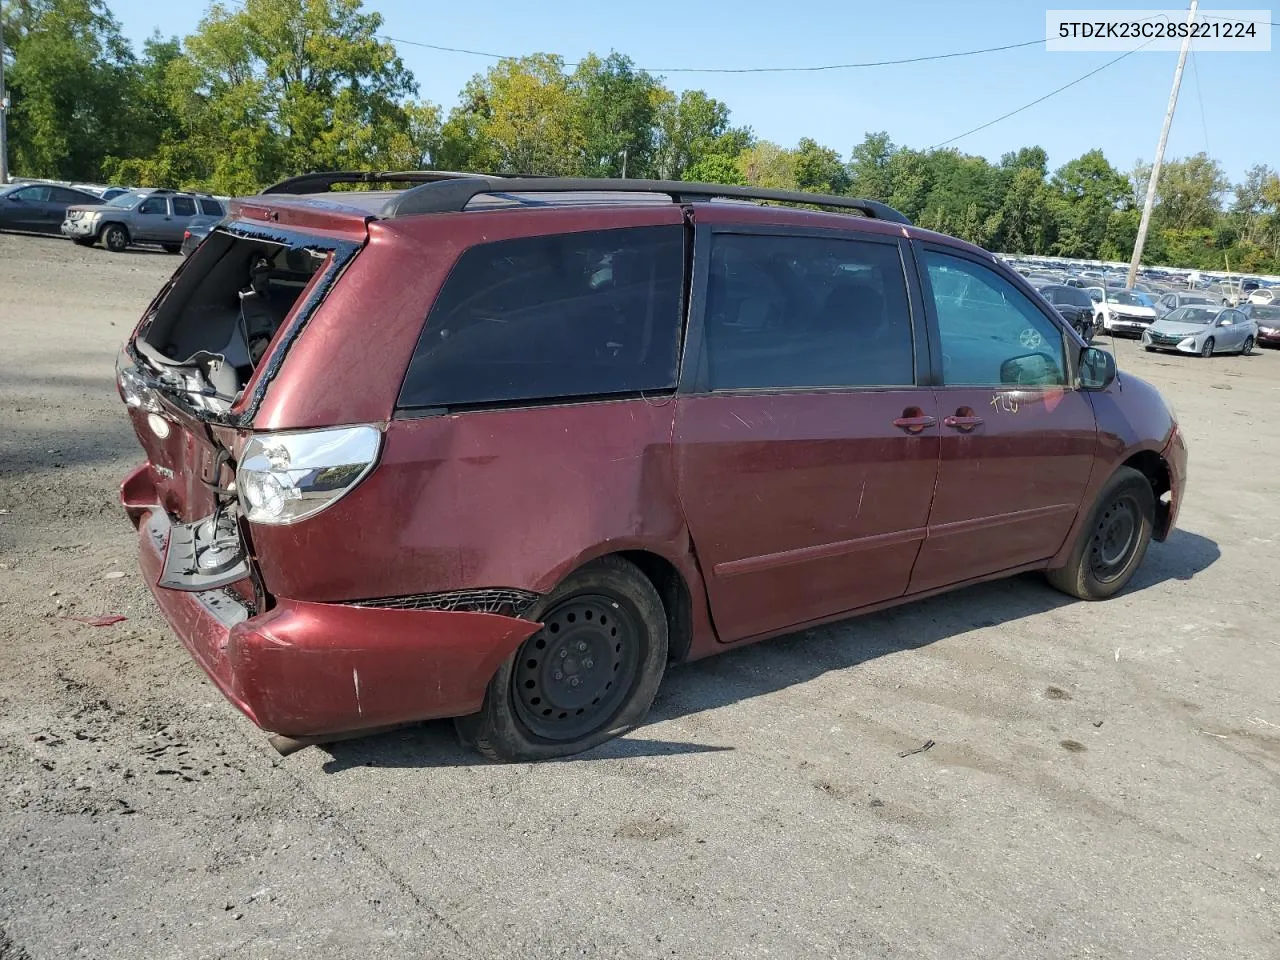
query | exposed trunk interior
(215,325)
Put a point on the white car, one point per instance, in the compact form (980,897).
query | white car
(1263,296)
(1124,311)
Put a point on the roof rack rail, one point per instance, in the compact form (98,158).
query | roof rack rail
(320,182)
(450,193)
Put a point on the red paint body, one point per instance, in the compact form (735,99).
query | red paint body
(777,509)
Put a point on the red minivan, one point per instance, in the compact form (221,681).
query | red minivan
(502,449)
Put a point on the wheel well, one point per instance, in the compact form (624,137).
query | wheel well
(673,590)
(1152,466)
(112,223)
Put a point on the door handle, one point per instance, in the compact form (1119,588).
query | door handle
(965,423)
(914,421)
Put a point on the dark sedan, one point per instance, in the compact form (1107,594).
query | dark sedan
(1074,304)
(1267,317)
(196,231)
(39,207)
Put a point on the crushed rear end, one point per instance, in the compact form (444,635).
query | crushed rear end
(205,378)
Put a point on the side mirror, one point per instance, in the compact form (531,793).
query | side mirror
(1224,323)
(1097,369)
(1031,370)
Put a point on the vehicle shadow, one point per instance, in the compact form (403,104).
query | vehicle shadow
(760,669)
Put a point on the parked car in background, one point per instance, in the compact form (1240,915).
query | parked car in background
(1267,318)
(1075,306)
(196,231)
(1124,311)
(139,216)
(1204,330)
(416,529)
(39,207)
(1172,301)
(1096,294)
(1264,295)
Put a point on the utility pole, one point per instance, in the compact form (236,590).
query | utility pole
(4,109)
(1155,167)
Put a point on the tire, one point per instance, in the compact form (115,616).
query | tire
(1247,348)
(1207,349)
(1112,544)
(531,712)
(115,238)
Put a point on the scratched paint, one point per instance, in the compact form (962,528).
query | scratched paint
(355,681)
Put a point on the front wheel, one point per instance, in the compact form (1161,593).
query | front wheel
(1111,546)
(115,238)
(1247,348)
(1207,349)
(589,675)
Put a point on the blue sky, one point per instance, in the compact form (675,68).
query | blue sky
(1119,109)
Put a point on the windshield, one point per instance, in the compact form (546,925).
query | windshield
(1127,298)
(125,200)
(1265,313)
(1199,315)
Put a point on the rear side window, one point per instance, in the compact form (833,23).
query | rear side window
(567,315)
(795,312)
(211,208)
(184,207)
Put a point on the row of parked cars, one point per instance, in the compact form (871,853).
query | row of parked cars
(1222,318)
(116,217)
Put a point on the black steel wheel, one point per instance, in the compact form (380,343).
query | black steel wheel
(588,675)
(574,673)
(1115,537)
(1113,541)
(115,238)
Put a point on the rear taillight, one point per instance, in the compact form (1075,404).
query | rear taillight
(133,388)
(186,234)
(285,477)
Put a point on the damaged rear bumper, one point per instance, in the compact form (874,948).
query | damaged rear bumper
(305,669)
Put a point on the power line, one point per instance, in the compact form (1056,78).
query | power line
(1204,123)
(813,69)
(1051,93)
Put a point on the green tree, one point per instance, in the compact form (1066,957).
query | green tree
(72,70)
(715,168)
(869,170)
(819,169)
(1190,192)
(1087,191)
(1026,218)
(768,165)
(689,127)
(518,117)
(616,109)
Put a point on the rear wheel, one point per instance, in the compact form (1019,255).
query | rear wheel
(1248,347)
(587,676)
(1207,349)
(1111,546)
(115,238)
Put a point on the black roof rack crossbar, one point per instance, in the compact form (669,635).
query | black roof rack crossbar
(320,182)
(451,193)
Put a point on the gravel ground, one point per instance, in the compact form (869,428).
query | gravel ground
(1103,783)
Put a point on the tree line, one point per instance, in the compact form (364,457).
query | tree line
(269,88)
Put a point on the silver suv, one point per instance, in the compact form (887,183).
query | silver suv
(139,216)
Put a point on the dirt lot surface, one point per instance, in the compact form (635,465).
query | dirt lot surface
(1103,784)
